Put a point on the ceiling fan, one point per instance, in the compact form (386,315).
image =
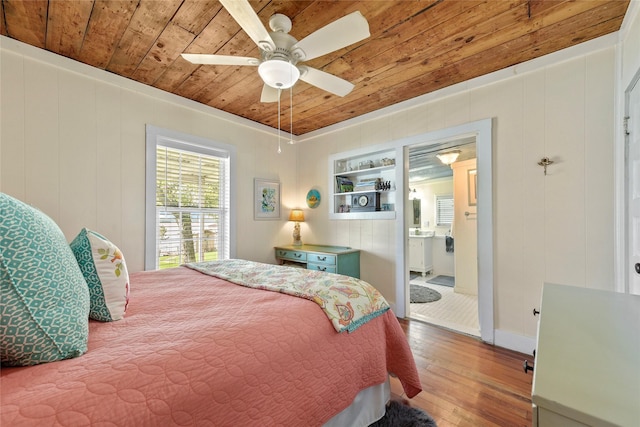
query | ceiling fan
(281,53)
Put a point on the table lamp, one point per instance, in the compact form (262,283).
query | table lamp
(298,216)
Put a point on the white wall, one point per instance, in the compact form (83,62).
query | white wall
(557,228)
(72,143)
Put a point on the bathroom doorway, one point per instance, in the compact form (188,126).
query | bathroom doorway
(442,250)
(482,130)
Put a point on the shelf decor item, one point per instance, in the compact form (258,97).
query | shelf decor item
(266,199)
(344,184)
(366,202)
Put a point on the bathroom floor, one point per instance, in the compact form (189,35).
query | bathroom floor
(455,311)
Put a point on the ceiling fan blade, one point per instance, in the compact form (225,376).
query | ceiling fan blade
(325,81)
(269,94)
(247,18)
(340,33)
(198,58)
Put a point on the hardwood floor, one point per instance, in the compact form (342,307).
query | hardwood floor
(465,381)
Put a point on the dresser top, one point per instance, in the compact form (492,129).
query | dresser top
(588,360)
(319,248)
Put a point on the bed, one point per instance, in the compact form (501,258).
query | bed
(220,343)
(195,349)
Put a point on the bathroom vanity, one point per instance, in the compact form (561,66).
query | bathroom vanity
(421,252)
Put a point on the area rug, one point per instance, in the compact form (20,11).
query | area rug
(399,415)
(421,294)
(443,281)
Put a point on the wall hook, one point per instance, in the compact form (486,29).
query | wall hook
(544,162)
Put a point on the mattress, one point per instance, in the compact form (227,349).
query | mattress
(197,350)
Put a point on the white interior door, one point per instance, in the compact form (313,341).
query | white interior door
(633,179)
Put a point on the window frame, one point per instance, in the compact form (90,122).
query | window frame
(156,136)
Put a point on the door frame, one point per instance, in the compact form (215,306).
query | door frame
(483,132)
(624,270)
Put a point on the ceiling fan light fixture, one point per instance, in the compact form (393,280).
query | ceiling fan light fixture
(448,157)
(279,74)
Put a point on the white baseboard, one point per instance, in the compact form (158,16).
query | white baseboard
(505,339)
(515,342)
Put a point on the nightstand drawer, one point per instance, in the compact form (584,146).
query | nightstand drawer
(322,267)
(292,255)
(321,259)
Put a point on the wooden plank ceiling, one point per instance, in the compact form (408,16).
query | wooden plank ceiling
(415,47)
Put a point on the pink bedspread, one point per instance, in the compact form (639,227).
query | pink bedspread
(197,350)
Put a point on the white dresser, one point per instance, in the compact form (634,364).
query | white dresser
(587,366)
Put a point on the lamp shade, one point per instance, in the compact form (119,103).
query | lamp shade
(296,215)
(279,74)
(448,157)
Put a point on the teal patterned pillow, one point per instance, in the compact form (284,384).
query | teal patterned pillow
(105,271)
(45,300)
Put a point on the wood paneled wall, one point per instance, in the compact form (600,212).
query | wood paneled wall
(554,228)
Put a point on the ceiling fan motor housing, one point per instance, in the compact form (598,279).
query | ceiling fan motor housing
(278,67)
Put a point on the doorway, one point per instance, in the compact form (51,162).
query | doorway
(482,130)
(442,264)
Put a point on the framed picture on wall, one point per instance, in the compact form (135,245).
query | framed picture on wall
(266,199)
(472,180)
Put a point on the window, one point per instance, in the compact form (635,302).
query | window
(188,200)
(444,210)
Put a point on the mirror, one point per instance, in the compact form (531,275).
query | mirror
(416,212)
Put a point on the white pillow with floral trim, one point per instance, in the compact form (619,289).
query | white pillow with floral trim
(105,271)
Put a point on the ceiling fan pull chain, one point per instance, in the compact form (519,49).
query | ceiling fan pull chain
(291,115)
(279,149)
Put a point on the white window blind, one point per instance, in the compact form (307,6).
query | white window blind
(192,207)
(444,209)
(189,199)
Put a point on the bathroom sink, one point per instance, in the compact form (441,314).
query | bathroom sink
(421,233)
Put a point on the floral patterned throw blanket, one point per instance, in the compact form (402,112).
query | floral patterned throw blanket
(348,302)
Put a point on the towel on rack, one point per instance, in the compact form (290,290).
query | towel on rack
(448,243)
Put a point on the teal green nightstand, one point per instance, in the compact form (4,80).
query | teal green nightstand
(333,259)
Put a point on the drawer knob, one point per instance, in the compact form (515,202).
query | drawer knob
(536,312)
(527,367)
(322,258)
(297,255)
(322,268)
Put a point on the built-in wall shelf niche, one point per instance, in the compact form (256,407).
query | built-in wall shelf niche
(363,184)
